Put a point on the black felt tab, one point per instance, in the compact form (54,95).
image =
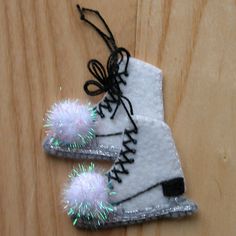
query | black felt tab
(173,187)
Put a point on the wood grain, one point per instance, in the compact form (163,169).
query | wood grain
(44,49)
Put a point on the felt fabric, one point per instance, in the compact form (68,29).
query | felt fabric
(147,177)
(144,90)
(156,160)
(153,197)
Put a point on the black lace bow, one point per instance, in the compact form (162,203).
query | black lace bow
(107,81)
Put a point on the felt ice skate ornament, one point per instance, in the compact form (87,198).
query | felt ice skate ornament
(146,181)
(124,77)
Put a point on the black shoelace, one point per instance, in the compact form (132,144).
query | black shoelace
(123,159)
(109,81)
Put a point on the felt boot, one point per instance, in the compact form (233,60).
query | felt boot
(146,179)
(130,85)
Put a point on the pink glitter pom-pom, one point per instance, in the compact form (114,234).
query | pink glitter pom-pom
(71,123)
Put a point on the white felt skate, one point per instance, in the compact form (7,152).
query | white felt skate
(145,183)
(130,85)
(107,143)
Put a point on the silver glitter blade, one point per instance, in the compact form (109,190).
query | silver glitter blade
(177,207)
(93,151)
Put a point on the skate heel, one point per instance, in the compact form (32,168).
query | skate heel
(173,187)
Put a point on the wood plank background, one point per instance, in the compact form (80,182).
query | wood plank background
(44,48)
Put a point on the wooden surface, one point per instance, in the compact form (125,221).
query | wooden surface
(44,48)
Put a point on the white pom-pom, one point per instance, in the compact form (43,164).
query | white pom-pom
(71,123)
(88,187)
(86,197)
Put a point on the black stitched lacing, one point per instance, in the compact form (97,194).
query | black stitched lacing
(109,81)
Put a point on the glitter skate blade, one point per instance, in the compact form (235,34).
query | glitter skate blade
(177,207)
(92,151)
